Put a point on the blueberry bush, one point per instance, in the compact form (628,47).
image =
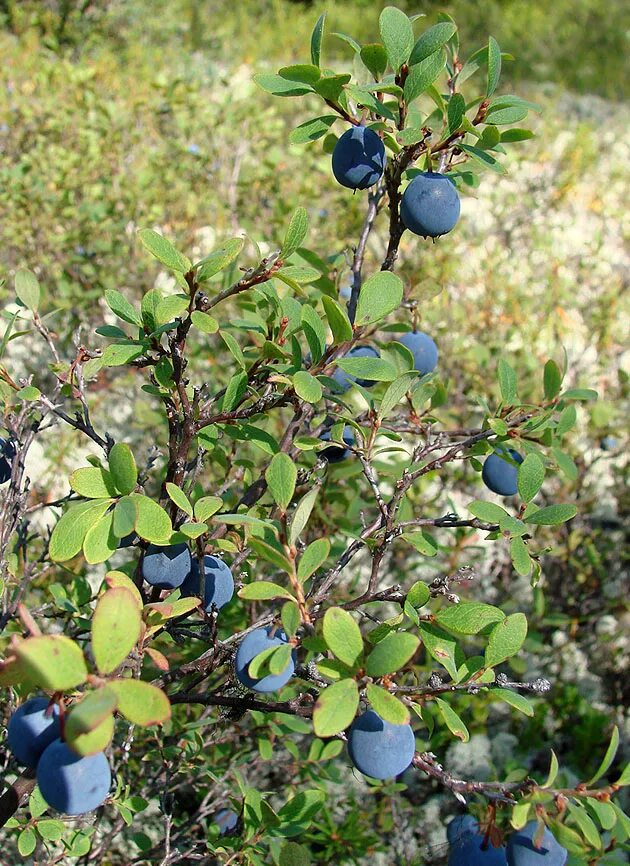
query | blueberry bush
(226,625)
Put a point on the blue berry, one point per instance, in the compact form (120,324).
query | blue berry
(499,475)
(378,748)
(358,160)
(430,205)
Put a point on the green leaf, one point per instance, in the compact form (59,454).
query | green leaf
(271,554)
(396,35)
(494,65)
(335,708)
(531,474)
(152,522)
(307,387)
(91,711)
(193,530)
(452,720)
(567,420)
(371,369)
(509,135)
(300,809)
(124,517)
(207,506)
(70,531)
(95,741)
(53,662)
(219,259)
(374,58)
(580,394)
(141,703)
(312,129)
(294,854)
(487,511)
(343,636)
(608,758)
(507,383)
(164,251)
(499,426)
(315,554)
(100,541)
(29,393)
(177,495)
(302,514)
(516,700)
(337,320)
(506,639)
(304,73)
(423,74)
(170,308)
(386,705)
(279,86)
(552,380)
(281,476)
(314,331)
(151,300)
(395,393)
(296,232)
(118,354)
(27,288)
(469,617)
(205,323)
(552,515)
(380,294)
(521,559)
(119,305)
(122,466)
(316,39)
(262,663)
(456,112)
(482,157)
(422,542)
(263,590)
(116,627)
(290,616)
(432,40)
(419,594)
(93,483)
(586,824)
(442,646)
(234,349)
(27,842)
(392,653)
(236,389)
(553,771)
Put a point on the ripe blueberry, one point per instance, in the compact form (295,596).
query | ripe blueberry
(521,850)
(358,160)
(72,784)
(423,349)
(499,475)
(218,586)
(7,453)
(166,567)
(31,730)
(378,748)
(226,819)
(430,205)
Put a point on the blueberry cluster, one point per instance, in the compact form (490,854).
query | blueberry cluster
(173,567)
(69,783)
(470,847)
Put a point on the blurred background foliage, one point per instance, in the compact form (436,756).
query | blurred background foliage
(130,113)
